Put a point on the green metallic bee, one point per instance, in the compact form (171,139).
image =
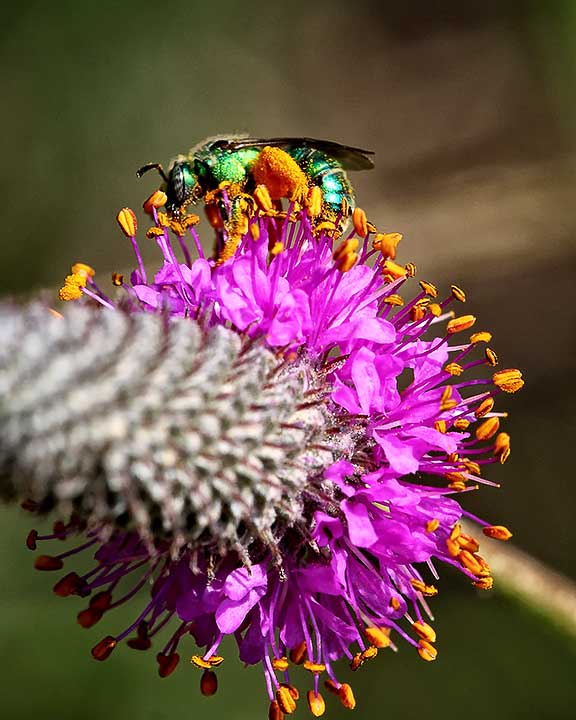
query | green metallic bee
(287,167)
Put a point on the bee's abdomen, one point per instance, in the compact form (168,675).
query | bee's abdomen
(328,174)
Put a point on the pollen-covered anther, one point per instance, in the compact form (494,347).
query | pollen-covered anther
(157,200)
(117,279)
(360,658)
(487,429)
(316,703)
(104,648)
(427,651)
(509,380)
(467,542)
(459,324)
(472,563)
(454,369)
(491,357)
(434,309)
(274,711)
(83,269)
(497,532)
(429,289)
(313,667)
(127,221)
(391,271)
(440,426)
(280,664)
(502,447)
(417,313)
(167,663)
(72,288)
(386,244)
(378,636)
(206,663)
(432,525)
(458,293)
(208,683)
(426,590)
(410,270)
(154,232)
(48,563)
(345,255)
(313,201)
(263,199)
(395,603)
(285,700)
(394,300)
(298,654)
(424,631)
(479,337)
(485,583)
(360,222)
(276,249)
(461,424)
(484,408)
(346,696)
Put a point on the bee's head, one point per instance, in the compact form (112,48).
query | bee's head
(182,186)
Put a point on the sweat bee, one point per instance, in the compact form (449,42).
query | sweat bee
(287,167)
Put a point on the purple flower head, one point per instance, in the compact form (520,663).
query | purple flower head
(299,443)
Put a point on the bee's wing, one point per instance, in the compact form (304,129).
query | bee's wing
(350,158)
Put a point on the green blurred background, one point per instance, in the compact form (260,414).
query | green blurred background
(471,110)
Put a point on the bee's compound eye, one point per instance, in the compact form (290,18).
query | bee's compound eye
(177,185)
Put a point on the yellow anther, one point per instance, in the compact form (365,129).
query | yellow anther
(481,336)
(440,426)
(427,651)
(459,324)
(314,202)
(453,547)
(72,288)
(424,631)
(298,654)
(371,227)
(454,477)
(280,664)
(345,254)
(285,700)
(370,653)
(410,270)
(117,279)
(417,313)
(127,221)
(387,243)
(501,443)
(316,703)
(347,696)
(157,200)
(454,368)
(360,222)
(429,289)
(461,424)
(432,525)
(455,532)
(263,199)
(453,457)
(255,231)
(394,300)
(83,269)
(471,466)
(395,603)
(293,690)
(487,429)
(491,357)
(378,636)
(458,293)
(276,249)
(448,405)
(391,271)
(497,532)
(458,485)
(446,393)
(484,408)
(485,583)
(467,542)
(154,232)
(471,562)
(206,664)
(314,667)
(509,380)
(426,590)
(435,309)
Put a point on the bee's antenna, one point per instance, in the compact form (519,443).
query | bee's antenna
(152,166)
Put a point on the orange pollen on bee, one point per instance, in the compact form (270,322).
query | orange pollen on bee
(262,198)
(360,222)
(484,408)
(459,324)
(316,703)
(386,244)
(509,380)
(283,177)
(487,429)
(127,221)
(497,532)
(313,201)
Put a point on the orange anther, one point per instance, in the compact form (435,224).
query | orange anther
(314,667)
(424,631)
(461,424)
(509,380)
(491,357)
(432,525)
(453,547)
(391,271)
(410,269)
(440,426)
(427,651)
(454,369)
(429,289)
(467,542)
(48,563)
(127,221)
(285,700)
(378,636)
(83,269)
(208,683)
(497,532)
(360,222)
(417,313)
(347,696)
(117,279)
(426,590)
(485,583)
(459,324)
(104,648)
(481,336)
(458,293)
(484,408)
(274,712)
(316,703)
(487,429)
(394,300)
(280,664)
(395,603)
(263,199)
(471,562)
(314,201)
(386,244)
(298,654)
(157,200)
(435,309)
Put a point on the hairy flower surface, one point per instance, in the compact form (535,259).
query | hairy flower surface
(273,445)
